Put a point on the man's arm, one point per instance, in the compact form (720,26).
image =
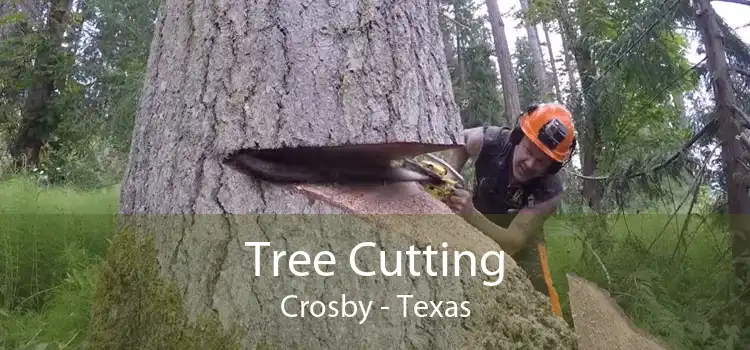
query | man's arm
(510,240)
(473,139)
(530,220)
(525,225)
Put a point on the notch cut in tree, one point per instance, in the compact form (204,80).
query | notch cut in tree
(228,77)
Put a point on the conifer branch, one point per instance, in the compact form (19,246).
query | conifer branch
(710,127)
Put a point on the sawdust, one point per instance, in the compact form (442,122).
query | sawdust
(398,205)
(510,315)
(393,198)
(600,323)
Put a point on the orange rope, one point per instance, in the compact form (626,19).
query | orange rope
(554,299)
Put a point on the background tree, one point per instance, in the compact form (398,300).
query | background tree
(529,89)
(502,54)
(475,84)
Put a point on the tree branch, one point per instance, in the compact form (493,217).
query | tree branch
(745,118)
(453,20)
(708,127)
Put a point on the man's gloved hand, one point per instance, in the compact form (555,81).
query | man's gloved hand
(460,201)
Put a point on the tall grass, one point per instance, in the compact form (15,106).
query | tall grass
(673,280)
(50,244)
(52,240)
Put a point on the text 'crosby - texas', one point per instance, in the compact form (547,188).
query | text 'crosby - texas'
(293,306)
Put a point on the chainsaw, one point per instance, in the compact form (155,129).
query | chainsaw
(440,171)
(320,165)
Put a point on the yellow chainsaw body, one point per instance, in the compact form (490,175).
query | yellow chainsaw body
(445,189)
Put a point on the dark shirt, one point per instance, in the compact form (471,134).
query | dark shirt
(494,194)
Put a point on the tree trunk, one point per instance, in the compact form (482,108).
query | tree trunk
(38,119)
(553,64)
(508,80)
(536,56)
(590,138)
(232,76)
(732,150)
(447,41)
(569,68)
(460,62)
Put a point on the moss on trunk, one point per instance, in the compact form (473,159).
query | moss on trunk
(135,308)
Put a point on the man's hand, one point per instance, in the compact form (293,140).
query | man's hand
(460,201)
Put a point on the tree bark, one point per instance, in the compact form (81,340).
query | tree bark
(508,80)
(232,76)
(732,149)
(369,75)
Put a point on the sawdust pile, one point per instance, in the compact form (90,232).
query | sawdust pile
(600,323)
(510,315)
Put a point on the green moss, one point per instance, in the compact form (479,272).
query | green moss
(134,308)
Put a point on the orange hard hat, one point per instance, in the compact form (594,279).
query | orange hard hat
(550,127)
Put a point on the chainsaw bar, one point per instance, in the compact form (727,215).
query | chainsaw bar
(350,171)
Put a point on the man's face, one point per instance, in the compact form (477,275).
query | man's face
(529,161)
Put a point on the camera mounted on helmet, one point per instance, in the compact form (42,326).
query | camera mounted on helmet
(550,127)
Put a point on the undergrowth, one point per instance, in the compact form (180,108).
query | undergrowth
(54,240)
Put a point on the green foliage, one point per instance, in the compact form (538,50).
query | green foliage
(637,67)
(51,243)
(117,63)
(54,277)
(17,51)
(40,229)
(483,105)
(97,85)
(528,88)
(670,278)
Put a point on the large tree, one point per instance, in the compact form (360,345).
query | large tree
(734,141)
(224,77)
(502,53)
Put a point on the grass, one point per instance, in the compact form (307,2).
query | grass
(53,240)
(681,295)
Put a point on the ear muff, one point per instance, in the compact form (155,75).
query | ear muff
(516,135)
(557,166)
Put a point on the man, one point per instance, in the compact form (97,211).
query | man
(517,186)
